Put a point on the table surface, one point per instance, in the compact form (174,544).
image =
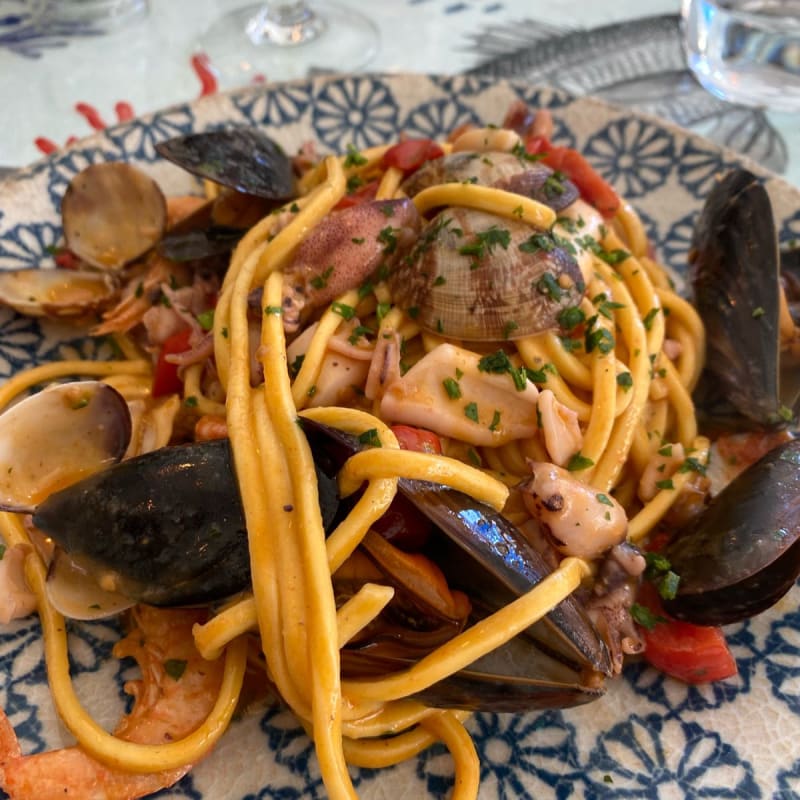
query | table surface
(45,74)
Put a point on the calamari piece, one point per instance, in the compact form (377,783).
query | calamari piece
(167,707)
(582,522)
(458,393)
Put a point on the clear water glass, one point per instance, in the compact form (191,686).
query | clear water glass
(746,51)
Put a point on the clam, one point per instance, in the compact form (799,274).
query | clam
(58,293)
(243,159)
(508,171)
(58,436)
(112,213)
(475,276)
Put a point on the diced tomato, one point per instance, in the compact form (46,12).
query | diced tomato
(691,653)
(594,189)
(361,195)
(165,377)
(418,439)
(66,259)
(411,154)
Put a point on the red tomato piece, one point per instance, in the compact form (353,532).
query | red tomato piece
(165,376)
(691,653)
(363,194)
(410,438)
(411,154)
(594,189)
(66,259)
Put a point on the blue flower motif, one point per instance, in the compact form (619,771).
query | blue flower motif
(699,166)
(436,117)
(358,111)
(538,97)
(782,659)
(636,156)
(521,756)
(675,245)
(137,139)
(631,760)
(461,85)
(277,106)
(292,747)
(788,783)
(26,245)
(19,338)
(278,793)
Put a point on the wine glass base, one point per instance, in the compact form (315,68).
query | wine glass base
(246,45)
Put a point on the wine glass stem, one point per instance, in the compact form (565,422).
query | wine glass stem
(283,23)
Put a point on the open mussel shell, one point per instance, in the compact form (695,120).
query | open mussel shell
(743,553)
(164,528)
(58,436)
(243,159)
(735,268)
(558,662)
(112,213)
(454,286)
(56,293)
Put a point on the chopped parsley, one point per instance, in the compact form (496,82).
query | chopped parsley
(354,157)
(321,281)
(548,285)
(570,317)
(665,484)
(648,318)
(485,243)
(645,617)
(536,243)
(206,319)
(190,402)
(295,366)
(604,499)
(471,411)
(370,438)
(495,423)
(273,311)
(343,310)
(579,462)
(625,381)
(452,388)
(388,238)
(691,464)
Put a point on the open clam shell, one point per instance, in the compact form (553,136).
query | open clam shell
(57,437)
(57,293)
(112,213)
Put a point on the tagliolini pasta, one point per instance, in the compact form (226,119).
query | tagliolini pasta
(606,393)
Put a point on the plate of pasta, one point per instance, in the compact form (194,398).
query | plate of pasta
(369,405)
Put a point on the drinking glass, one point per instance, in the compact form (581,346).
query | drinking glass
(280,40)
(746,51)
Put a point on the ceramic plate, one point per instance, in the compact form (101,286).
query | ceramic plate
(650,736)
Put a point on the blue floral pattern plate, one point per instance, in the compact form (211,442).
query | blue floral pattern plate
(650,736)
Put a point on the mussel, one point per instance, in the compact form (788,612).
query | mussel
(735,274)
(167,528)
(742,554)
(240,158)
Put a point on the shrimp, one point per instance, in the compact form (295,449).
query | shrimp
(175,695)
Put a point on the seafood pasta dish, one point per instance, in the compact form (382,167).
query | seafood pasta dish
(388,436)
